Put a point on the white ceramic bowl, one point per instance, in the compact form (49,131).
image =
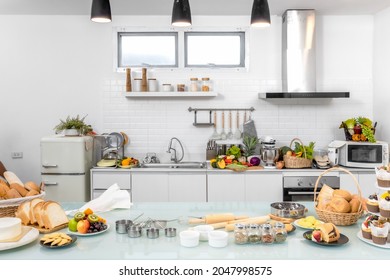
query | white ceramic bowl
(189,238)
(218,239)
(203,230)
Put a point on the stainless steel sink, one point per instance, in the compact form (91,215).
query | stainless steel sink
(184,164)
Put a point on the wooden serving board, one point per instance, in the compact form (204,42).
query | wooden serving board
(45,230)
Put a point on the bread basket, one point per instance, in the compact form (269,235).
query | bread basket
(339,219)
(8,207)
(297,162)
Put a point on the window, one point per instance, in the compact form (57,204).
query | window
(214,49)
(155,49)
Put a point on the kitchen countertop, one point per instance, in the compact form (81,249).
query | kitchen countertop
(110,245)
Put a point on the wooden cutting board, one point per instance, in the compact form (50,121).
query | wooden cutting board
(45,230)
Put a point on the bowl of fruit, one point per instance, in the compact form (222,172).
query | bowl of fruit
(359,129)
(87,223)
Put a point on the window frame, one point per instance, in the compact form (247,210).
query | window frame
(146,34)
(180,51)
(241,35)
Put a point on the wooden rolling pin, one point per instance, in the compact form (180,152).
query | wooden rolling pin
(216,218)
(255,220)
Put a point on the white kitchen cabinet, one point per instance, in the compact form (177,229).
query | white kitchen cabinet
(150,187)
(187,187)
(103,179)
(225,186)
(263,187)
(367,182)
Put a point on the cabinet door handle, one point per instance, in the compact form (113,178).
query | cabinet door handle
(50,183)
(49,165)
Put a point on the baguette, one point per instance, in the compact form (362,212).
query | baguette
(19,188)
(3,190)
(32,193)
(12,193)
(32,186)
(12,178)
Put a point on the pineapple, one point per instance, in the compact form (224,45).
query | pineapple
(250,143)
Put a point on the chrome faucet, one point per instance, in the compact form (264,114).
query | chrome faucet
(174,154)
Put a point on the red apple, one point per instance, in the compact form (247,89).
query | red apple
(357,129)
(316,235)
(83,226)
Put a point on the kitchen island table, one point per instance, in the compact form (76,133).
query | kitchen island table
(113,246)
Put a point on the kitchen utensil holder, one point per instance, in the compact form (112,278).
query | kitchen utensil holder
(210,110)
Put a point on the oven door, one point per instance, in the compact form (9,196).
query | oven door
(299,194)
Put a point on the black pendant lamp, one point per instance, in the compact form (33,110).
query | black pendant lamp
(181,14)
(101,11)
(260,14)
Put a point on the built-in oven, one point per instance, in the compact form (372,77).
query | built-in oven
(301,188)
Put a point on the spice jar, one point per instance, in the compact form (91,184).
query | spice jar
(152,84)
(194,84)
(181,87)
(267,234)
(240,234)
(166,87)
(205,84)
(280,232)
(137,85)
(254,234)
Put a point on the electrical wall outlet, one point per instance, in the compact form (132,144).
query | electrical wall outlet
(17,154)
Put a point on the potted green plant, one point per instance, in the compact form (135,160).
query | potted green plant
(73,126)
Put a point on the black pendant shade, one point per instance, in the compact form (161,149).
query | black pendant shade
(260,14)
(181,14)
(101,11)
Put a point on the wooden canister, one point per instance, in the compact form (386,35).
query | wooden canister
(128,79)
(144,84)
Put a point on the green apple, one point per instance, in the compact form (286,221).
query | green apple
(72,225)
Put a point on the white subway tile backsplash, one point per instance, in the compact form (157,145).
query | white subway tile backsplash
(151,122)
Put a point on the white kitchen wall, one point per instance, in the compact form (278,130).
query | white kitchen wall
(381,72)
(55,66)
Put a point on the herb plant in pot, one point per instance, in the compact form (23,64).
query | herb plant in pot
(73,126)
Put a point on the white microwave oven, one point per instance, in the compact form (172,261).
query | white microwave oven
(360,154)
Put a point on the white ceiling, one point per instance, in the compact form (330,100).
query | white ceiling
(198,7)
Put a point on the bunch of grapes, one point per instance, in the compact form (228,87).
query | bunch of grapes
(96,227)
(367,131)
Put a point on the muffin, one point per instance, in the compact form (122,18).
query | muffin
(384,205)
(372,203)
(379,232)
(383,176)
(366,226)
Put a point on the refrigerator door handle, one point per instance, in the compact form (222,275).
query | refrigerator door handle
(47,183)
(49,165)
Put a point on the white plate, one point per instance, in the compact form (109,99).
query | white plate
(298,225)
(89,234)
(369,241)
(32,235)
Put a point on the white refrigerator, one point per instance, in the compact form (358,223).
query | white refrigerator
(65,165)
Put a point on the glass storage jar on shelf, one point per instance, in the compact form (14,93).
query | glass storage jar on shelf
(194,84)
(240,234)
(206,84)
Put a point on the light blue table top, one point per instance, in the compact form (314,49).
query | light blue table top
(110,245)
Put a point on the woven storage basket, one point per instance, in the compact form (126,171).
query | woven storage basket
(339,219)
(297,162)
(8,207)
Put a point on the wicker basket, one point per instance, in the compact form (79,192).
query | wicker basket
(297,162)
(8,207)
(339,219)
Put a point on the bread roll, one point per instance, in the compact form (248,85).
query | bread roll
(32,193)
(32,186)
(12,178)
(340,205)
(343,193)
(3,190)
(355,205)
(329,232)
(19,188)
(12,193)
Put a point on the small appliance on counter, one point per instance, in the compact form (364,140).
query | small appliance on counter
(358,154)
(269,153)
(108,149)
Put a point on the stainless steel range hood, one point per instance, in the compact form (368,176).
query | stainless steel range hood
(299,58)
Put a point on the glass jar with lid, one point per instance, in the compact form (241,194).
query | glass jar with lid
(205,84)
(240,234)
(254,234)
(194,84)
(267,234)
(280,232)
